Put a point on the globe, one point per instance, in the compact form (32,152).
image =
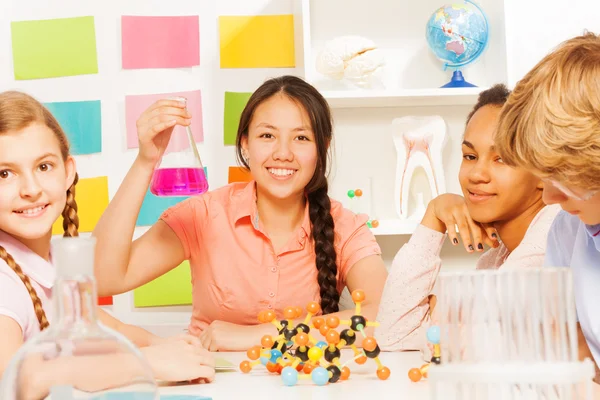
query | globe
(458,34)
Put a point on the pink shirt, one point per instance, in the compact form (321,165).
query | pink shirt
(15,301)
(403,311)
(235,271)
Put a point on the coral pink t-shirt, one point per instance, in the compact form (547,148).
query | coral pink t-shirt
(15,301)
(235,271)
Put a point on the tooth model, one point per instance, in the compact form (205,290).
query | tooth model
(419,142)
(354,58)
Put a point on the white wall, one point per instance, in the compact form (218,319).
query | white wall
(531,30)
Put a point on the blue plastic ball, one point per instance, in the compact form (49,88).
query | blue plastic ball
(289,376)
(321,344)
(264,360)
(320,376)
(275,355)
(433,334)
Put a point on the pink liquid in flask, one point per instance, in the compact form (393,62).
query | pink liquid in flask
(178,182)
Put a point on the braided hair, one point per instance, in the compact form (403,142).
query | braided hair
(17,111)
(319,204)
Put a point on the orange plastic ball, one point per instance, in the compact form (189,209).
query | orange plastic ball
(358,192)
(261,317)
(298,311)
(302,339)
(374,223)
(345,373)
(279,368)
(266,341)
(358,296)
(272,367)
(361,359)
(414,374)
(269,316)
(308,368)
(318,322)
(253,353)
(289,313)
(333,337)
(245,366)
(383,373)
(324,329)
(333,321)
(299,367)
(369,343)
(313,307)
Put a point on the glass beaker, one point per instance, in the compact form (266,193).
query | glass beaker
(180,171)
(76,357)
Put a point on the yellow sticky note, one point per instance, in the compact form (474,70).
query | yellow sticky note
(173,288)
(91,195)
(262,41)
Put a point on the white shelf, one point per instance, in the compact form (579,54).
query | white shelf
(402,98)
(395,227)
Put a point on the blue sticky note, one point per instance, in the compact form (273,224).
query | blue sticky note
(81,121)
(153,206)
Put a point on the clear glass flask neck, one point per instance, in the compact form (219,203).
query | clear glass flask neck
(75,303)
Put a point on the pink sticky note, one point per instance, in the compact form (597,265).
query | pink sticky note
(135,105)
(160,42)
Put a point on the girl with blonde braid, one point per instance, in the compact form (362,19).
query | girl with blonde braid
(37,185)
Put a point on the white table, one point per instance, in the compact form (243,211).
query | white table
(363,383)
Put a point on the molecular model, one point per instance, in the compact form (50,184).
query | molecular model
(357,193)
(295,354)
(433,337)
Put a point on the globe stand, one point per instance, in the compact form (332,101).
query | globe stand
(458,81)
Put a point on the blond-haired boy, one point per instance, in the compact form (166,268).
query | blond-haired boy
(551,125)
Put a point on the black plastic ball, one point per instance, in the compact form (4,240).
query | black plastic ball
(335,373)
(358,320)
(348,336)
(374,353)
(331,355)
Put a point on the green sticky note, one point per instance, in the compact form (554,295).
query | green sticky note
(234,105)
(82,122)
(54,47)
(171,289)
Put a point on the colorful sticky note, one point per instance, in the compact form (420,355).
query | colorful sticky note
(261,41)
(234,105)
(170,289)
(82,122)
(160,42)
(135,105)
(54,47)
(91,195)
(105,301)
(239,174)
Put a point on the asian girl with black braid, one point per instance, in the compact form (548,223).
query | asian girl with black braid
(276,241)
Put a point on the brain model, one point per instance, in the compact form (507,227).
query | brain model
(351,57)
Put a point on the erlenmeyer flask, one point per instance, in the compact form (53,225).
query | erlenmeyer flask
(180,171)
(76,357)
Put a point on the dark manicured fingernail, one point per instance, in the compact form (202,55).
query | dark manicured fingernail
(471,247)
(494,236)
(480,246)
(455,241)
